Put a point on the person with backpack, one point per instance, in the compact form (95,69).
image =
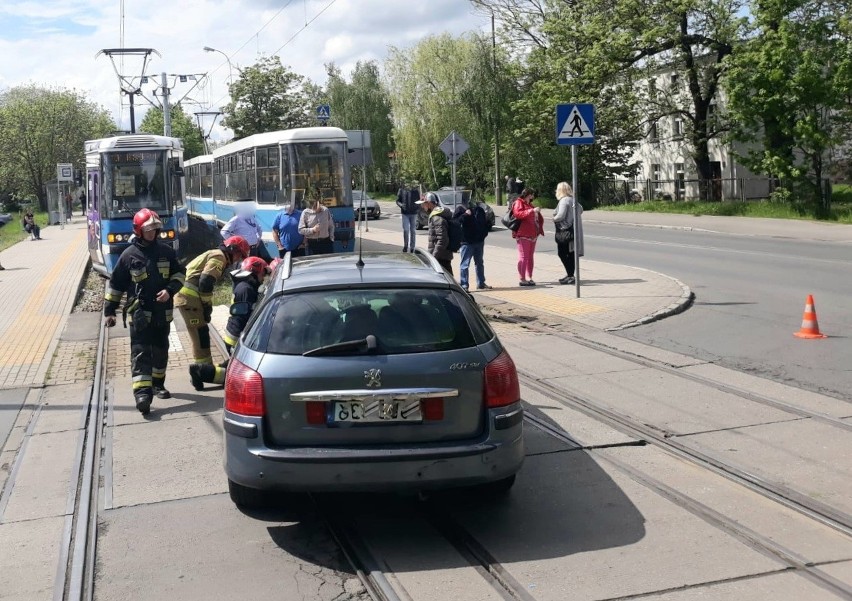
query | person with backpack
(474,225)
(406,200)
(440,219)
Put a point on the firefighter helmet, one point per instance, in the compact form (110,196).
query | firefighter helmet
(252,266)
(237,245)
(146,220)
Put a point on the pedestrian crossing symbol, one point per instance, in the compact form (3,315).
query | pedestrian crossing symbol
(575,124)
(323,112)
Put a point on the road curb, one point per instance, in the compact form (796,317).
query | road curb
(679,306)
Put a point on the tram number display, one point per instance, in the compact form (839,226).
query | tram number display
(377,411)
(134,158)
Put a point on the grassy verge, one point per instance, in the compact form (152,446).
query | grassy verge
(839,212)
(13,232)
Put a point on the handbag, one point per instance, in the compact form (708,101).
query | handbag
(564,235)
(510,221)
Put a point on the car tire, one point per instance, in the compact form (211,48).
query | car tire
(250,498)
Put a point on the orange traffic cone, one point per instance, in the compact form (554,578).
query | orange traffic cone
(810,327)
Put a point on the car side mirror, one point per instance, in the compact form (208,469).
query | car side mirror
(240,309)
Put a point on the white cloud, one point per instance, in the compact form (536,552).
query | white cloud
(54,42)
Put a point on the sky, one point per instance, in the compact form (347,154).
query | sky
(55,43)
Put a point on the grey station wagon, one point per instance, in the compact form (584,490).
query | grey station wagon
(381,376)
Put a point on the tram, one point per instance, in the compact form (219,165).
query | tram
(127,173)
(275,169)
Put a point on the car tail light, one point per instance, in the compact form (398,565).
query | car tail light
(432,409)
(501,382)
(315,412)
(244,391)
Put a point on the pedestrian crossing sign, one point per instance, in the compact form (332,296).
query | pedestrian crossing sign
(323,112)
(575,124)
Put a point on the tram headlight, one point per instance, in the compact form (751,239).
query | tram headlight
(112,238)
(167,234)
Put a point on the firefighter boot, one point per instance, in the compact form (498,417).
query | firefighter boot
(195,376)
(143,401)
(162,393)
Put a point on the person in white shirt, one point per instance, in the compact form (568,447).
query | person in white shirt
(317,226)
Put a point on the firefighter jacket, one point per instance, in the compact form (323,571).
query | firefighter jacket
(245,291)
(202,273)
(142,271)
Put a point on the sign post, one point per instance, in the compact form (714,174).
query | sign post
(360,150)
(453,147)
(64,173)
(575,125)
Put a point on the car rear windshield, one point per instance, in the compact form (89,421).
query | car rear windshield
(403,321)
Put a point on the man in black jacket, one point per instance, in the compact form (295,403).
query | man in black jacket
(406,200)
(474,230)
(148,271)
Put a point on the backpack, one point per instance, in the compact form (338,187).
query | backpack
(480,221)
(455,234)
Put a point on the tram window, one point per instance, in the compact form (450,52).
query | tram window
(320,165)
(241,161)
(250,160)
(261,157)
(268,185)
(133,180)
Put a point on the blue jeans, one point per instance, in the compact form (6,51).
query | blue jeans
(409,227)
(472,251)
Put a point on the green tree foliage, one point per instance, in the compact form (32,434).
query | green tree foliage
(609,54)
(267,96)
(447,84)
(40,127)
(363,103)
(182,127)
(789,87)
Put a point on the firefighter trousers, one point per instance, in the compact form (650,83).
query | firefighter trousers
(149,356)
(192,312)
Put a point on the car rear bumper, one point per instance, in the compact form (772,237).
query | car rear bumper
(496,456)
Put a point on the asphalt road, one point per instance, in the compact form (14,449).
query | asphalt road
(750,294)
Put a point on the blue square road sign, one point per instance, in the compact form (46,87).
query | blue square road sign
(575,124)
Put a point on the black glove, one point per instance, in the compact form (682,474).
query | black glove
(208,313)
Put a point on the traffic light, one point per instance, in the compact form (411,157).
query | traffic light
(78,177)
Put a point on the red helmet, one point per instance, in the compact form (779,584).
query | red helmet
(253,266)
(237,245)
(146,220)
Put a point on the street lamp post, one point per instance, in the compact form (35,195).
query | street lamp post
(227,58)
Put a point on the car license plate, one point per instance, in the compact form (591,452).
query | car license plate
(377,411)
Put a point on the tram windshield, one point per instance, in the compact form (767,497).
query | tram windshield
(318,170)
(134,180)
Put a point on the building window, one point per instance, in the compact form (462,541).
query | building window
(653,133)
(656,172)
(680,180)
(678,127)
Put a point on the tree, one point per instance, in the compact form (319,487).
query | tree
(447,84)
(182,127)
(790,87)
(267,96)
(611,52)
(363,104)
(41,127)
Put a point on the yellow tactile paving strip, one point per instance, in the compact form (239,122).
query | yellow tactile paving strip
(31,328)
(544,300)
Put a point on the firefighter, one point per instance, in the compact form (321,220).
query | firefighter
(195,301)
(149,273)
(247,282)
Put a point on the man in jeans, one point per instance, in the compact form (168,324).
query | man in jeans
(406,200)
(474,230)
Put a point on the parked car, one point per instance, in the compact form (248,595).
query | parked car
(368,207)
(450,199)
(381,377)
(5,218)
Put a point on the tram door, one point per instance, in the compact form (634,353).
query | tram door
(93,217)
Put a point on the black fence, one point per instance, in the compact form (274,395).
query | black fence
(610,192)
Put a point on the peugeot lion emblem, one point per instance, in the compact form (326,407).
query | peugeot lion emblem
(373,378)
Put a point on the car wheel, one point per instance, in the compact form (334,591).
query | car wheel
(243,496)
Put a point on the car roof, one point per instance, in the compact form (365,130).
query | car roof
(415,270)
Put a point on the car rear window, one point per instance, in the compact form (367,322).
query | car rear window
(403,321)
